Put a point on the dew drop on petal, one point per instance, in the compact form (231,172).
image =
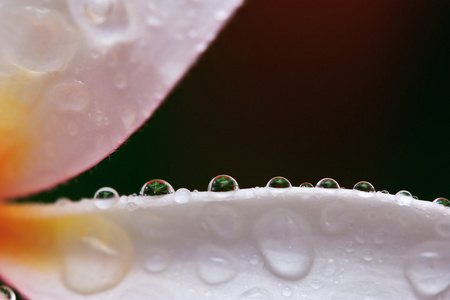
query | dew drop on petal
(284,239)
(156,187)
(384,192)
(156,261)
(182,195)
(279,183)
(286,291)
(364,186)
(7,293)
(215,266)
(427,267)
(328,183)
(442,201)
(223,183)
(106,193)
(306,185)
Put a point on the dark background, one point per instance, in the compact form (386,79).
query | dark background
(353,90)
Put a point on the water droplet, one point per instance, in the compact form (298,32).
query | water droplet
(284,239)
(427,267)
(367,255)
(328,183)
(330,268)
(72,128)
(105,197)
(306,185)
(223,183)
(279,183)
(364,186)
(256,294)
(380,236)
(157,261)
(7,293)
(224,222)
(317,284)
(214,266)
(415,197)
(97,11)
(54,40)
(96,255)
(69,96)
(156,187)
(182,195)
(384,192)
(120,80)
(286,291)
(442,201)
(254,260)
(403,193)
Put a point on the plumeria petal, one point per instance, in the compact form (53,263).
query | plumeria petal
(260,243)
(78,77)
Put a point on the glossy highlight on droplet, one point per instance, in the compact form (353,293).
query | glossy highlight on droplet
(306,185)
(156,187)
(442,201)
(223,183)
(7,293)
(328,183)
(364,186)
(279,182)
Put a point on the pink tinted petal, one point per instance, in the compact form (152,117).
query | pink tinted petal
(77,78)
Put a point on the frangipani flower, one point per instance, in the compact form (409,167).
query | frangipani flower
(84,88)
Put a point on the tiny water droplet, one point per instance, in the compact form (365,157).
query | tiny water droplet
(256,294)
(306,185)
(364,186)
(223,183)
(254,260)
(279,182)
(415,197)
(182,195)
(214,266)
(317,284)
(120,80)
(287,291)
(328,183)
(157,262)
(403,193)
(156,187)
(384,192)
(97,11)
(442,201)
(367,255)
(7,293)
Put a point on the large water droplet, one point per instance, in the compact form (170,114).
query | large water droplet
(97,11)
(256,294)
(96,255)
(215,266)
(284,239)
(223,183)
(156,187)
(364,186)
(157,261)
(224,222)
(442,201)
(53,41)
(427,268)
(328,183)
(279,183)
(182,196)
(105,197)
(6,293)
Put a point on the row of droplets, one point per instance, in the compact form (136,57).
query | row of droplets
(7,293)
(226,183)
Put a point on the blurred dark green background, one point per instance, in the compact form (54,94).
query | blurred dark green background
(353,90)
